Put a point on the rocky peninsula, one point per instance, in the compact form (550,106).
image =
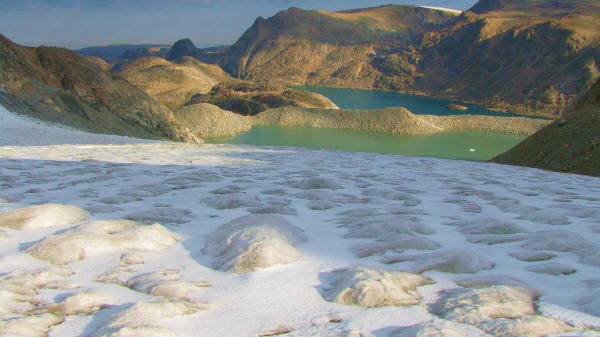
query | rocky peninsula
(207,120)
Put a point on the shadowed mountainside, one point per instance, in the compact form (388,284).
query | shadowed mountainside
(58,85)
(119,52)
(570,144)
(528,56)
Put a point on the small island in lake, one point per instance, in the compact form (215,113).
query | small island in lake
(457,107)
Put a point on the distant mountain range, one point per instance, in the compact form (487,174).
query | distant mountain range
(526,56)
(120,52)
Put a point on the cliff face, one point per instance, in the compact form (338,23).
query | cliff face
(58,85)
(521,56)
(570,144)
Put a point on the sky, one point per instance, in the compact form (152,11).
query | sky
(80,23)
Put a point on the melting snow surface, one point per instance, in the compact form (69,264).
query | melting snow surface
(382,245)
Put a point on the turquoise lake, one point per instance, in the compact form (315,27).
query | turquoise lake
(467,145)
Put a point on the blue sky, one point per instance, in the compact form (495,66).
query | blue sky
(81,23)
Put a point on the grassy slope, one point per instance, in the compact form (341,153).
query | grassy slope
(571,144)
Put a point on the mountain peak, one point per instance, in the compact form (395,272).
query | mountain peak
(181,48)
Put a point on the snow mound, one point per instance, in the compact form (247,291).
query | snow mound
(408,199)
(83,303)
(232,200)
(141,319)
(48,278)
(74,244)
(19,289)
(498,310)
(321,205)
(273,209)
(375,226)
(254,241)
(534,326)
(568,242)
(29,326)
(547,217)
(112,275)
(429,330)
(40,216)
(369,288)
(390,231)
(486,226)
(169,216)
(314,195)
(398,245)
(132,258)
(466,206)
(494,280)
(166,283)
(552,268)
(450,261)
(529,256)
(315,183)
(489,231)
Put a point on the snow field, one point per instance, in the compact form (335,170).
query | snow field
(166,239)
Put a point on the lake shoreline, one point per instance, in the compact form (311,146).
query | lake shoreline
(454,145)
(397,120)
(496,110)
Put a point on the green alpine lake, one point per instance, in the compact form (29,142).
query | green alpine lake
(465,145)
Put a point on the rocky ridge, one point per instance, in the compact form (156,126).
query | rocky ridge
(58,85)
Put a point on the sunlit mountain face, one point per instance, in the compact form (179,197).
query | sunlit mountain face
(84,23)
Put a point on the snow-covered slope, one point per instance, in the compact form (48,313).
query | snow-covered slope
(20,130)
(383,245)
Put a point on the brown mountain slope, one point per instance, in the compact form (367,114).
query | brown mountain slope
(189,81)
(172,84)
(527,56)
(570,144)
(58,85)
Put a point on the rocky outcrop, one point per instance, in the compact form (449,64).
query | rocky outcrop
(58,85)
(527,56)
(250,98)
(569,144)
(207,120)
(184,48)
